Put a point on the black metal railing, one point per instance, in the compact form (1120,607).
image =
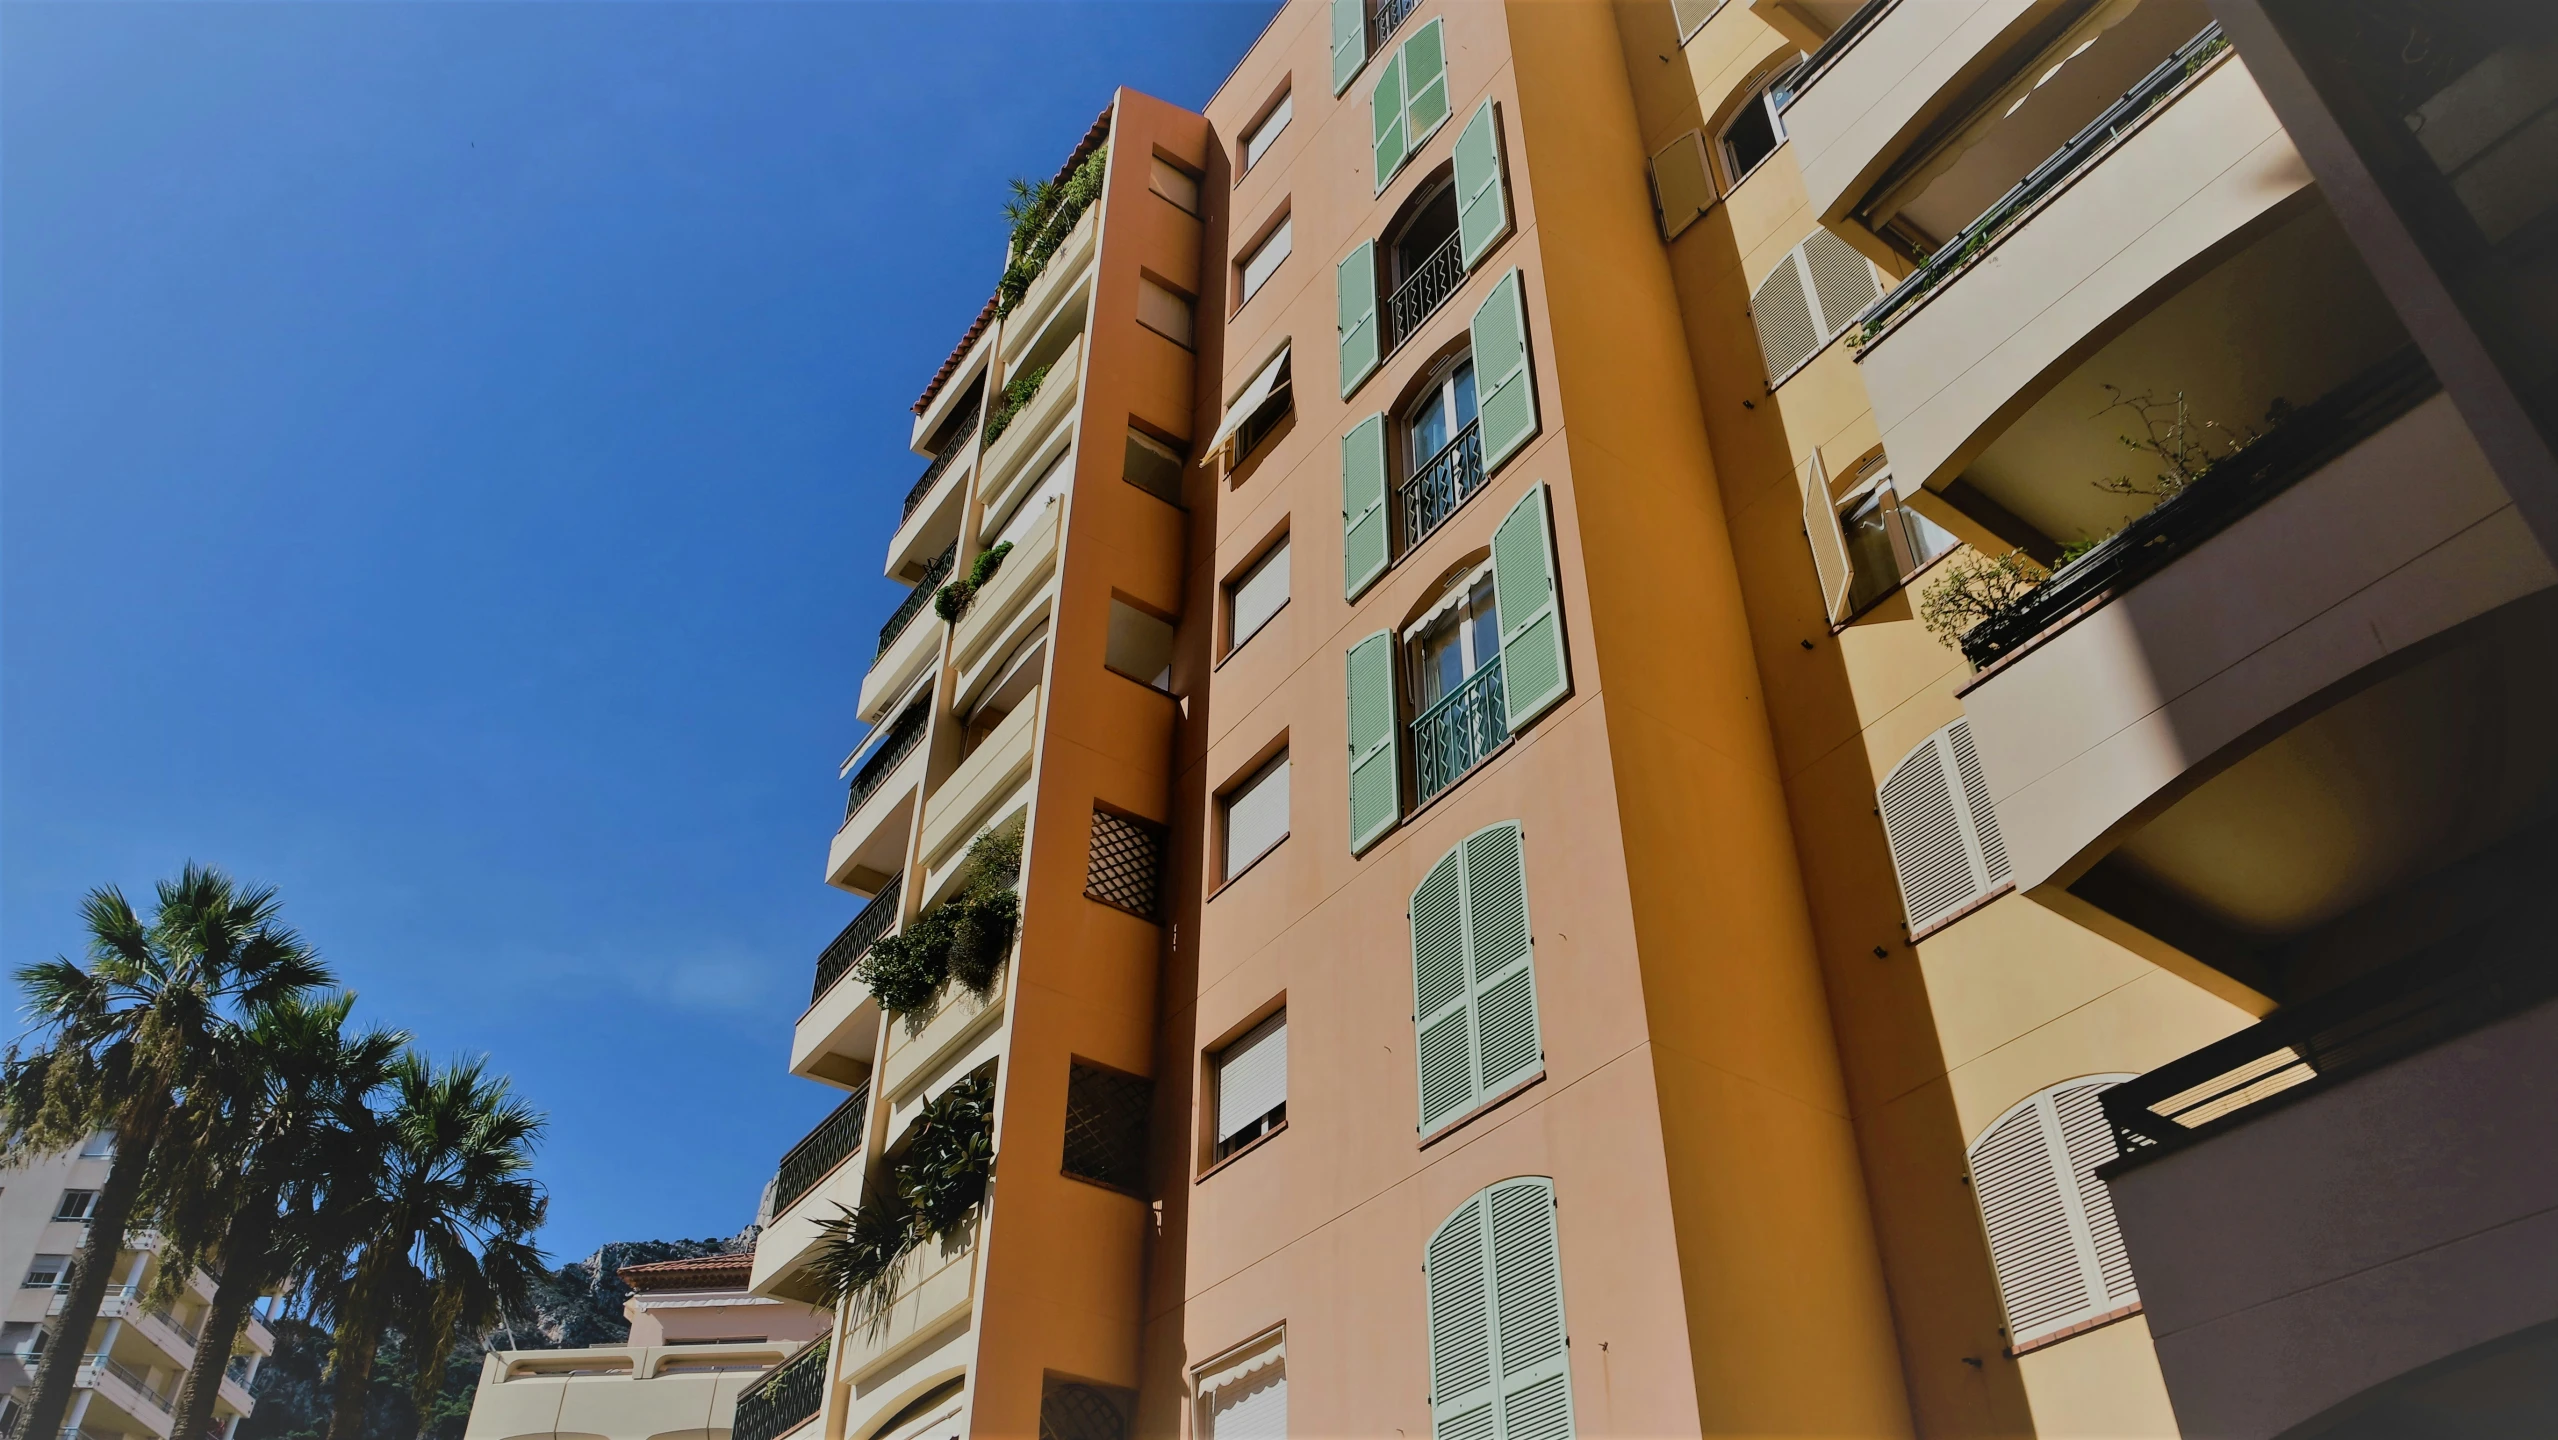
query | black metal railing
(1386,18)
(916,599)
(1444,482)
(2073,156)
(961,430)
(2305,1048)
(1424,291)
(785,1399)
(1817,64)
(856,937)
(1458,731)
(2305,440)
(904,734)
(829,1145)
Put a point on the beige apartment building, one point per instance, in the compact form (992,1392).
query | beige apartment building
(1526,928)
(138,1352)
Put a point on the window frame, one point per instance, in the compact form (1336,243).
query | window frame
(1764,96)
(60,1273)
(1233,1364)
(1231,868)
(1253,146)
(1454,604)
(1224,1147)
(63,1211)
(1244,575)
(1894,517)
(1279,230)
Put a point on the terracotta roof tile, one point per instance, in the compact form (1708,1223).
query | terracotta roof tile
(702,1272)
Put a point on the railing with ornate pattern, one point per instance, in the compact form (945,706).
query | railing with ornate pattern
(783,1400)
(829,1145)
(1458,731)
(1444,482)
(916,599)
(856,937)
(1386,18)
(1424,291)
(961,430)
(904,734)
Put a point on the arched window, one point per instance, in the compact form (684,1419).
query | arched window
(1944,834)
(1499,1364)
(1757,127)
(2053,1240)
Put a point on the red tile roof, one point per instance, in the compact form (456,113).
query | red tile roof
(702,1272)
(1099,132)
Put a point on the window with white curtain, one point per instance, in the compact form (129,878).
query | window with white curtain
(1265,257)
(1243,1395)
(1256,595)
(1256,815)
(1252,1085)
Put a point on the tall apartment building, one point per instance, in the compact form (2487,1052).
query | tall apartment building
(138,1352)
(1525,929)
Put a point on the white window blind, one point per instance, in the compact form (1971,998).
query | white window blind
(1163,311)
(1811,295)
(1246,1397)
(1258,266)
(1175,184)
(1256,816)
(1258,594)
(1252,1078)
(1943,831)
(2053,1239)
(1257,143)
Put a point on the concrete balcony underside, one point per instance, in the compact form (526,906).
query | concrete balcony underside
(833,1039)
(877,827)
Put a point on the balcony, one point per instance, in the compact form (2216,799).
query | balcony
(1048,295)
(969,797)
(909,642)
(823,1171)
(812,1159)
(934,1288)
(1443,484)
(835,1036)
(1011,458)
(1458,732)
(922,1046)
(931,519)
(996,613)
(875,920)
(621,1389)
(787,1398)
(1424,291)
(878,805)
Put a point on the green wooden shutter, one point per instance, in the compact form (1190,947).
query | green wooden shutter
(1536,671)
(1354,283)
(1363,505)
(1508,409)
(1483,202)
(1374,801)
(1534,1366)
(1462,1393)
(1424,60)
(1442,1000)
(1349,41)
(1387,137)
(1503,979)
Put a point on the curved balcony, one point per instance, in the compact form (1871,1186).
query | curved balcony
(1008,463)
(1025,574)
(824,1170)
(934,1287)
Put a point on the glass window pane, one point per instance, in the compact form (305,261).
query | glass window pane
(1869,552)
(1484,621)
(1463,384)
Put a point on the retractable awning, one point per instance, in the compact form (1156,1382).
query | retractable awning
(1272,379)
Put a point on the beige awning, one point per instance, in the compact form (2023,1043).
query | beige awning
(1272,379)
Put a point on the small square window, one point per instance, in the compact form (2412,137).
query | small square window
(1256,815)
(1252,1085)
(76,1205)
(1256,595)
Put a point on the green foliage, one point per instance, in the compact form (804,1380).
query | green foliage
(1971,587)
(965,937)
(2184,448)
(1042,215)
(1017,392)
(930,1191)
(953,599)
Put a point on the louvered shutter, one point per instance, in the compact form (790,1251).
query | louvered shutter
(1692,14)
(1508,1048)
(1829,543)
(1387,137)
(1843,281)
(1483,200)
(1527,1311)
(1374,800)
(1782,310)
(1349,41)
(1536,672)
(1943,832)
(2057,1251)
(1442,999)
(1507,411)
(1682,183)
(1355,291)
(1464,1401)
(1363,505)
(1425,84)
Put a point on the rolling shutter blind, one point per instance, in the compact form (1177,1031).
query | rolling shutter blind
(1252,1077)
(1782,310)
(1499,1365)
(1483,201)
(2053,1240)
(1424,60)
(1375,799)
(1363,505)
(1349,41)
(1259,594)
(1812,295)
(1943,832)
(1507,412)
(1682,183)
(1829,543)
(1473,976)
(1385,120)
(1256,817)
(1355,286)
(1536,673)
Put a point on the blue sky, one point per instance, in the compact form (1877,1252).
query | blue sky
(445,456)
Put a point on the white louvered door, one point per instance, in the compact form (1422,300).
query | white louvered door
(1942,828)
(2053,1240)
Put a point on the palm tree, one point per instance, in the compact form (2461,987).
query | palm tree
(441,1221)
(125,1042)
(295,1085)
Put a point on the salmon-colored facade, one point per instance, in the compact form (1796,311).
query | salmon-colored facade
(1526,928)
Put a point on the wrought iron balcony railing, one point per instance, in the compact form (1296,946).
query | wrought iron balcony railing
(829,1145)
(1424,291)
(2074,155)
(917,599)
(904,734)
(961,430)
(785,1399)
(854,938)
(1458,731)
(1444,482)
(1386,18)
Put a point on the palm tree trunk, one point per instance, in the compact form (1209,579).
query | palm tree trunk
(351,1349)
(89,1270)
(244,1269)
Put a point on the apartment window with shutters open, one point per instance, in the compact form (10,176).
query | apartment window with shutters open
(1257,266)
(1265,132)
(1882,541)
(1250,1085)
(1452,664)
(1812,295)
(1756,128)
(1500,1350)
(1386,288)
(1442,453)
(1254,816)
(2054,1243)
(1243,1394)
(1474,993)
(1410,101)
(1256,594)
(1257,411)
(1942,830)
